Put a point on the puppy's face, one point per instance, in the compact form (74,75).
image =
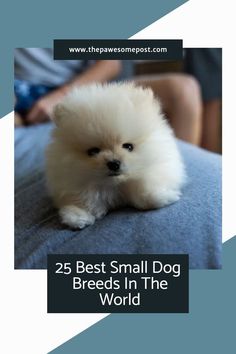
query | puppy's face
(108,130)
(111,158)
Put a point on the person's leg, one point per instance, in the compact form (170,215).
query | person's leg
(211,133)
(181,101)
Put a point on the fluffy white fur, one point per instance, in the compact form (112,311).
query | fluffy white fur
(106,117)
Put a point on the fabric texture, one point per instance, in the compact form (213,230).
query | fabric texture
(192,225)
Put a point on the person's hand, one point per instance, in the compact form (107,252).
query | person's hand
(42,109)
(18,119)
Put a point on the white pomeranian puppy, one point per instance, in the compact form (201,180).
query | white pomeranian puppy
(111,147)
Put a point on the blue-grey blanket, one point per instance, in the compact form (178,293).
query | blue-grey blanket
(192,225)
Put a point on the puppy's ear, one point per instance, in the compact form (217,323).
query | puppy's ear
(59,113)
(150,98)
(142,94)
(148,94)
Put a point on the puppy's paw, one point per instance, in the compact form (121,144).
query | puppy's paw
(167,197)
(99,213)
(75,217)
(157,199)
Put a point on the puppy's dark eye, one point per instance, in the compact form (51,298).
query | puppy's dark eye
(93,151)
(128,146)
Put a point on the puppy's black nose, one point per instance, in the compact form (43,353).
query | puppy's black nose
(113,165)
